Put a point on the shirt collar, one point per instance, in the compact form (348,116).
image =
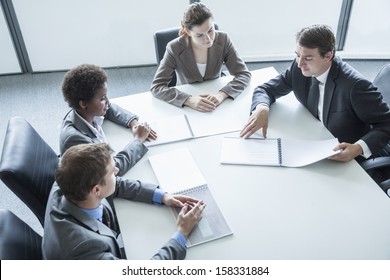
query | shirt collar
(322,78)
(96,213)
(98,121)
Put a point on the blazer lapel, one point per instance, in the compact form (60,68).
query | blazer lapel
(79,124)
(329,92)
(213,56)
(187,59)
(85,219)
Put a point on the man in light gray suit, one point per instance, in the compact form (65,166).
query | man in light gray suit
(79,222)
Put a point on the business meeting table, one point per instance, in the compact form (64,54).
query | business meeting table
(325,211)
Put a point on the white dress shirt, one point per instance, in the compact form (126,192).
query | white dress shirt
(322,79)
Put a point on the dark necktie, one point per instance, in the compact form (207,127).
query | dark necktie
(314,96)
(107,219)
(110,222)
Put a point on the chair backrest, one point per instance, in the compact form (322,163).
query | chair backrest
(18,241)
(161,39)
(27,165)
(382,82)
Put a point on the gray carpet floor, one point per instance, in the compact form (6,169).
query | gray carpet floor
(37,97)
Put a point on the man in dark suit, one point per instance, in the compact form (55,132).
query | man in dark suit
(348,105)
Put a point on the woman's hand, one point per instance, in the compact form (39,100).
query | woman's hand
(206,102)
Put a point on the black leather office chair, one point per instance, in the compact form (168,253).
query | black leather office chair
(161,39)
(18,241)
(379,168)
(27,165)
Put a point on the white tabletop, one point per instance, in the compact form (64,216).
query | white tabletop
(327,210)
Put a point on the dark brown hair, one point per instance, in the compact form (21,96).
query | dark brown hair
(317,36)
(196,14)
(81,168)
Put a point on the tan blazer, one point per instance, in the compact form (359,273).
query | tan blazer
(179,57)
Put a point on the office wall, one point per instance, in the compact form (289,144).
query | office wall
(369,30)
(8,59)
(60,34)
(265,30)
(63,33)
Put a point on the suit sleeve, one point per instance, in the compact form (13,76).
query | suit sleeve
(364,97)
(120,116)
(134,190)
(277,87)
(135,150)
(129,156)
(238,69)
(172,250)
(162,78)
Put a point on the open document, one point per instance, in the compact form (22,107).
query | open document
(170,129)
(276,152)
(182,127)
(177,172)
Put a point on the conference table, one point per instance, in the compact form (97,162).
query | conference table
(324,211)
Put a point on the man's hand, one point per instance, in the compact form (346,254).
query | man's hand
(178,200)
(189,216)
(257,120)
(347,152)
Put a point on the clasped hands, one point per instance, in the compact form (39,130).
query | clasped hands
(206,102)
(190,213)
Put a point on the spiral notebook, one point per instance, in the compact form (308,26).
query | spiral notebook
(276,152)
(177,172)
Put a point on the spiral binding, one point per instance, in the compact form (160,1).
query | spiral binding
(192,189)
(280,151)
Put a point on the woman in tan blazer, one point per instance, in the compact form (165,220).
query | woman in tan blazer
(198,55)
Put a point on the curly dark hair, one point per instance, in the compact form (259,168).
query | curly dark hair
(81,83)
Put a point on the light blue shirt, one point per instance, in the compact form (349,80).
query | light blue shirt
(96,213)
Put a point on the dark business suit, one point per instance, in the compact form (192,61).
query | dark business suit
(353,108)
(74,131)
(72,234)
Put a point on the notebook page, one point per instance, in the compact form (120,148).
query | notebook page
(176,170)
(170,129)
(251,151)
(297,153)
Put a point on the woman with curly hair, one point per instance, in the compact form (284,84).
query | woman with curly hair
(85,90)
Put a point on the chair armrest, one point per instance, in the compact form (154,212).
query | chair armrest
(375,163)
(385,186)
